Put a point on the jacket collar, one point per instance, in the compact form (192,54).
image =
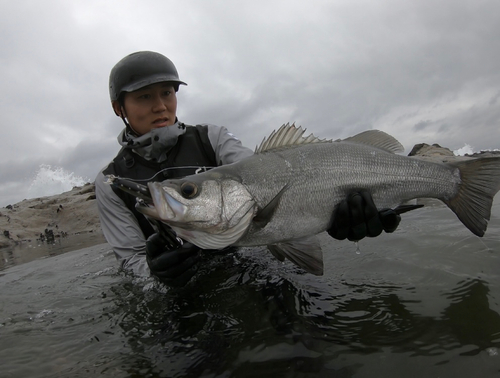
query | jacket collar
(153,145)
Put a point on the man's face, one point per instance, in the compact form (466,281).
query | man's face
(151,107)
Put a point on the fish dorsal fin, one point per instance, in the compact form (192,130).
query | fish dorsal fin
(376,138)
(287,135)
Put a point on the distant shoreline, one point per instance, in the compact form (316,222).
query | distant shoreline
(52,218)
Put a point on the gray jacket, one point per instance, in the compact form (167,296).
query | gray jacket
(119,225)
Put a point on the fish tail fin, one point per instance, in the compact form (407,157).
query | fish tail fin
(480,181)
(304,252)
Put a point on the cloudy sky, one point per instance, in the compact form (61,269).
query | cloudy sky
(423,71)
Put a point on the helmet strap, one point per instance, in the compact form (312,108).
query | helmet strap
(125,121)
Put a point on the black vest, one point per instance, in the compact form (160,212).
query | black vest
(192,152)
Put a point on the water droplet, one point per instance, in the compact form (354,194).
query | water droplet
(493,352)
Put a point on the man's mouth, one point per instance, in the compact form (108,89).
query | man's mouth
(159,122)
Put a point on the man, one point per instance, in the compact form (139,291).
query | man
(156,146)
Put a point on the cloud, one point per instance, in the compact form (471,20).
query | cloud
(422,71)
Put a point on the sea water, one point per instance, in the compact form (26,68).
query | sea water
(421,302)
(46,181)
(50,181)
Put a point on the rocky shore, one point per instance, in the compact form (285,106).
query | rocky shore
(47,219)
(436,152)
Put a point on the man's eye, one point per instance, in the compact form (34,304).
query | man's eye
(144,96)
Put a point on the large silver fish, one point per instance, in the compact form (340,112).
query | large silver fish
(288,190)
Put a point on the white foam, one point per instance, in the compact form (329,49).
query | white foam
(53,180)
(466,149)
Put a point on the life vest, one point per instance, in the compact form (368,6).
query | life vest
(192,153)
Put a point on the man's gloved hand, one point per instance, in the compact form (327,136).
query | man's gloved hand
(357,217)
(173,265)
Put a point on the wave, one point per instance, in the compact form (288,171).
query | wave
(50,181)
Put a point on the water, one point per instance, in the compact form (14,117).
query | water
(466,149)
(422,302)
(27,251)
(50,180)
(47,181)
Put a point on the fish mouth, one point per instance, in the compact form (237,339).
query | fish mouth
(152,200)
(141,192)
(166,207)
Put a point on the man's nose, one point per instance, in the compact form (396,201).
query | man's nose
(159,104)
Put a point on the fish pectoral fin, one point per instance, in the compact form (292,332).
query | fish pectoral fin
(265,214)
(304,252)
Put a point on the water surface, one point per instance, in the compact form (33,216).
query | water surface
(422,302)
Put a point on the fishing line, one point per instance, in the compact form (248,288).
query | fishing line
(198,170)
(488,249)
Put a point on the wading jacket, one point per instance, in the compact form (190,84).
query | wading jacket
(167,152)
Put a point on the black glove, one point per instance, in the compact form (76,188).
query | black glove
(357,217)
(172,264)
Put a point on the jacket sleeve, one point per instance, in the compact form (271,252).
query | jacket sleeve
(228,148)
(121,229)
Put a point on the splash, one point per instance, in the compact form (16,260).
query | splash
(50,181)
(466,149)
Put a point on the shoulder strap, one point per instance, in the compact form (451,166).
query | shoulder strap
(198,134)
(205,142)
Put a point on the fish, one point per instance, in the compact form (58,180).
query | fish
(287,191)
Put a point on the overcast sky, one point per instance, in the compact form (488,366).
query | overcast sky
(423,71)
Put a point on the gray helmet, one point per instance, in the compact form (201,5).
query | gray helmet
(140,69)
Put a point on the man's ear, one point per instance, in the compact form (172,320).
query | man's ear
(117,108)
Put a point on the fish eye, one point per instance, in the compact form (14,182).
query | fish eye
(189,190)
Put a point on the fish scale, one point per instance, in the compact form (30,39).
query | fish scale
(319,176)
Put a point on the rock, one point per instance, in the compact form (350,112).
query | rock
(70,213)
(423,149)
(88,188)
(484,154)
(443,154)
(434,153)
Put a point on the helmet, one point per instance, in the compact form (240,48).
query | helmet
(140,69)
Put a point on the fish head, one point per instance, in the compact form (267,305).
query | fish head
(206,202)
